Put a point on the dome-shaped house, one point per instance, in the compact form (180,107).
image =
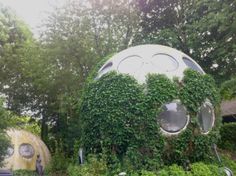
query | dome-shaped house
(151,100)
(25,147)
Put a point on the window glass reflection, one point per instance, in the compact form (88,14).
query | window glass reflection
(10,151)
(173,117)
(206,117)
(26,150)
(192,65)
(106,68)
(130,65)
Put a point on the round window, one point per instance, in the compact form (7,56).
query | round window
(192,65)
(130,65)
(105,69)
(26,151)
(206,117)
(10,151)
(173,117)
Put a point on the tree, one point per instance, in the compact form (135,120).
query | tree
(14,37)
(24,122)
(76,37)
(103,26)
(228,89)
(46,77)
(203,29)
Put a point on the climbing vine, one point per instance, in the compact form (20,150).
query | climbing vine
(119,118)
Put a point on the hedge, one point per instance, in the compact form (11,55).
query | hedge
(228,136)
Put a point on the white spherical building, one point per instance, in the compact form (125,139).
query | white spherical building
(141,60)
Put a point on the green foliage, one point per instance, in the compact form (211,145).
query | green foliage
(227,162)
(176,170)
(24,173)
(215,170)
(115,121)
(191,144)
(4,141)
(200,169)
(160,90)
(147,173)
(15,37)
(4,144)
(197,169)
(228,138)
(228,89)
(196,89)
(24,122)
(58,163)
(203,29)
(93,167)
(46,77)
(118,118)
(173,170)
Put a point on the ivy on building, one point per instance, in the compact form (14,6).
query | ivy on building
(119,119)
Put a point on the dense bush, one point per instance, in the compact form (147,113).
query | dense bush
(200,169)
(228,89)
(228,136)
(58,164)
(173,170)
(93,167)
(197,169)
(118,118)
(97,167)
(231,164)
(24,173)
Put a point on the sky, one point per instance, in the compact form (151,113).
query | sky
(32,11)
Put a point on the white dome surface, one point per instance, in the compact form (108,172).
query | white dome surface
(139,61)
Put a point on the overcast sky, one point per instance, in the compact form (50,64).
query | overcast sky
(32,11)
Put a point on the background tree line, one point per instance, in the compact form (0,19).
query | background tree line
(45,77)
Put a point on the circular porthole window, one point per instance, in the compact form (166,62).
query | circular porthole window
(206,117)
(106,68)
(26,150)
(189,63)
(173,117)
(165,62)
(130,65)
(10,151)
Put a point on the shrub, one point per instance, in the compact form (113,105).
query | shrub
(200,169)
(176,170)
(58,164)
(93,167)
(74,170)
(215,170)
(228,137)
(197,169)
(163,172)
(147,173)
(227,162)
(173,170)
(22,172)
